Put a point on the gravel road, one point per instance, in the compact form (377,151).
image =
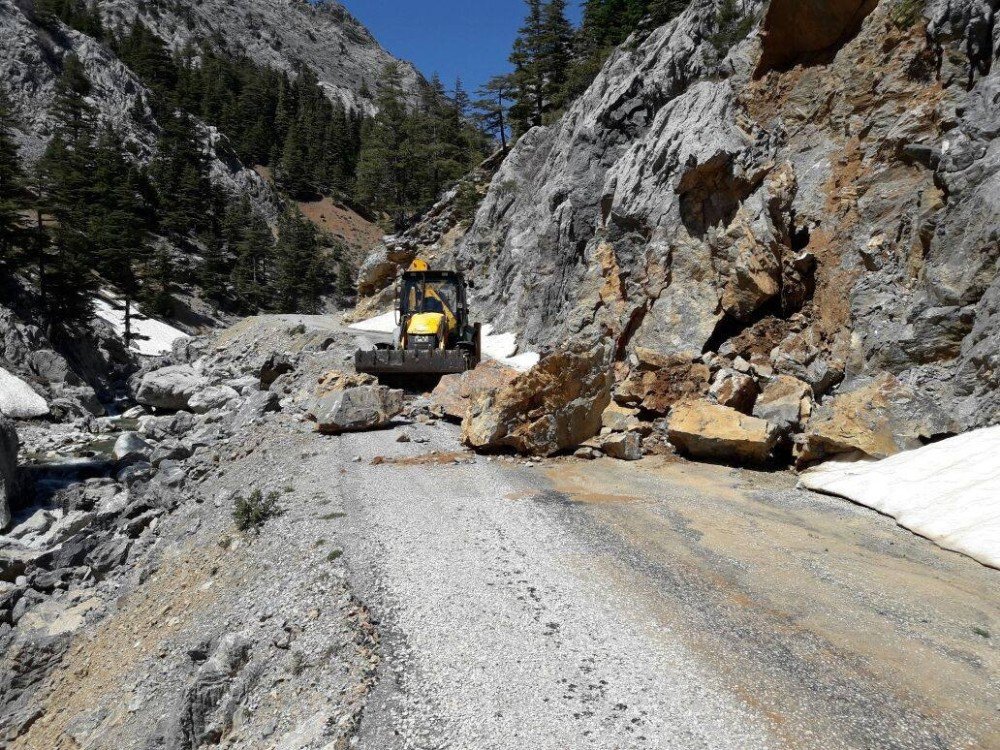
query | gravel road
(665,605)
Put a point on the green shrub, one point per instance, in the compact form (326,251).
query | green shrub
(252,512)
(906,13)
(732,23)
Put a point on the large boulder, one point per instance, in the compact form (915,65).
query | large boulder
(8,468)
(170,388)
(365,407)
(719,433)
(554,406)
(18,400)
(879,418)
(454,393)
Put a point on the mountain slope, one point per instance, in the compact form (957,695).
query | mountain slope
(280,34)
(820,200)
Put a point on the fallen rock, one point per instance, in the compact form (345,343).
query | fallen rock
(8,468)
(712,431)
(18,400)
(785,402)
(455,393)
(734,389)
(170,388)
(554,406)
(211,398)
(619,418)
(661,381)
(878,418)
(366,407)
(625,446)
(802,355)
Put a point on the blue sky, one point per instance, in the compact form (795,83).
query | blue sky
(470,38)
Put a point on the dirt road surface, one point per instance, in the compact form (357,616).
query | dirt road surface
(414,595)
(660,605)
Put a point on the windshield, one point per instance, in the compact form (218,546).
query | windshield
(428,296)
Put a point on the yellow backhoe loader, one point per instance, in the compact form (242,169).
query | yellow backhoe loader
(434,335)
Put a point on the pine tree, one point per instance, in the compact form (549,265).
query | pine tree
(556,54)
(387,154)
(180,172)
(13,231)
(67,190)
(493,106)
(120,221)
(251,245)
(300,278)
(528,76)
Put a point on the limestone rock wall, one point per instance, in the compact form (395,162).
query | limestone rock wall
(827,211)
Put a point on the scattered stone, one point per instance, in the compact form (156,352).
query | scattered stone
(661,381)
(273,368)
(715,432)
(619,418)
(625,446)
(211,398)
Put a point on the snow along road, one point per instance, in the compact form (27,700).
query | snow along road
(661,605)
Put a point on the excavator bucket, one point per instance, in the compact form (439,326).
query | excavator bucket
(413,362)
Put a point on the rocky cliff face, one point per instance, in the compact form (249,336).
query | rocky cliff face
(821,202)
(283,34)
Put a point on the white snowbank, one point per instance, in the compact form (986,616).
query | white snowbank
(18,400)
(948,492)
(499,346)
(150,338)
(379,324)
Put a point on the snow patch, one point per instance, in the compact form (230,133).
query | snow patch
(499,346)
(18,400)
(150,338)
(948,492)
(379,324)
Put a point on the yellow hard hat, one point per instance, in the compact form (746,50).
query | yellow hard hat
(419,264)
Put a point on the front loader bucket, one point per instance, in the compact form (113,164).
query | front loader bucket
(413,362)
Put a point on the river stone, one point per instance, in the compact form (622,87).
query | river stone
(719,433)
(18,400)
(366,407)
(171,387)
(130,445)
